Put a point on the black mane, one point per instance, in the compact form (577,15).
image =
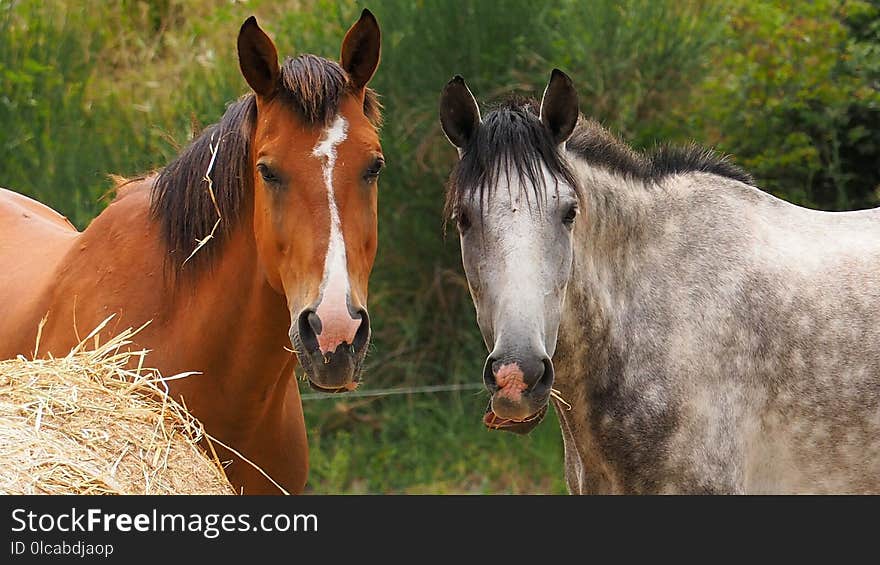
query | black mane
(512,137)
(180,200)
(599,147)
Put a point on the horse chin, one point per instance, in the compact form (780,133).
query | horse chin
(332,383)
(341,371)
(333,390)
(522,427)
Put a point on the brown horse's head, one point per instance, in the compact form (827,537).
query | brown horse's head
(316,159)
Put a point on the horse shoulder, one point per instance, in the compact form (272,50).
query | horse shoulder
(115,269)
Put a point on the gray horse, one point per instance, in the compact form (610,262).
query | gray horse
(696,334)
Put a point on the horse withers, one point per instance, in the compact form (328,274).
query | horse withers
(695,334)
(258,236)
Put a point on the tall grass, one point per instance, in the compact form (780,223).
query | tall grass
(44,112)
(426,444)
(94,88)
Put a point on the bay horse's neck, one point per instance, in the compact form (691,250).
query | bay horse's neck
(241,322)
(223,321)
(236,323)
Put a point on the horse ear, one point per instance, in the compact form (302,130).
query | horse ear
(258,58)
(361,49)
(459,113)
(559,106)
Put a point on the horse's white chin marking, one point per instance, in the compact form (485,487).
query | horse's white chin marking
(334,291)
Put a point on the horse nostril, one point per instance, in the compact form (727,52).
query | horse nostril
(362,335)
(544,380)
(535,373)
(314,322)
(539,372)
(489,370)
(309,326)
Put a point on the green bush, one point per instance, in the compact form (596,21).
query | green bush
(794,97)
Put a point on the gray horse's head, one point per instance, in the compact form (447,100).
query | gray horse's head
(514,202)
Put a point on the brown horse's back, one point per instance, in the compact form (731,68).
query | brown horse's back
(33,240)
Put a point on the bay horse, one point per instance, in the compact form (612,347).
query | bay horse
(290,173)
(695,334)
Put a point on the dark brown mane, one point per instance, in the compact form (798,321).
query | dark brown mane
(180,200)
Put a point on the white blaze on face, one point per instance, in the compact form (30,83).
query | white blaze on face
(336,321)
(523,261)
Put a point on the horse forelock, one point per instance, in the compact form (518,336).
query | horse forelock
(313,87)
(511,142)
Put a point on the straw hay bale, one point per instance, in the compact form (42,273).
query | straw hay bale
(85,424)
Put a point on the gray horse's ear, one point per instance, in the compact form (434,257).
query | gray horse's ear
(258,58)
(559,106)
(459,113)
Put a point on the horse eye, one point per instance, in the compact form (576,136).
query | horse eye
(373,172)
(268,174)
(570,215)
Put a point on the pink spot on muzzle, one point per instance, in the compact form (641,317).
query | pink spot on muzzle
(511,382)
(337,326)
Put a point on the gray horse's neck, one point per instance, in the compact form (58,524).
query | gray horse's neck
(630,243)
(708,326)
(608,239)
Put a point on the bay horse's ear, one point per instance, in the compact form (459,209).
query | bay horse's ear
(361,50)
(459,113)
(559,106)
(258,58)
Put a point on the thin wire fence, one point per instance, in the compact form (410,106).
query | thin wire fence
(393,391)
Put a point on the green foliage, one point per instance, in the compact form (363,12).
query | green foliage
(44,72)
(636,61)
(794,96)
(92,88)
(426,445)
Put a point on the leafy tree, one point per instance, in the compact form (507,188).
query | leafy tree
(794,97)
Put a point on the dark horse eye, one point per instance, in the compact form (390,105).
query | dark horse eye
(570,215)
(373,172)
(268,175)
